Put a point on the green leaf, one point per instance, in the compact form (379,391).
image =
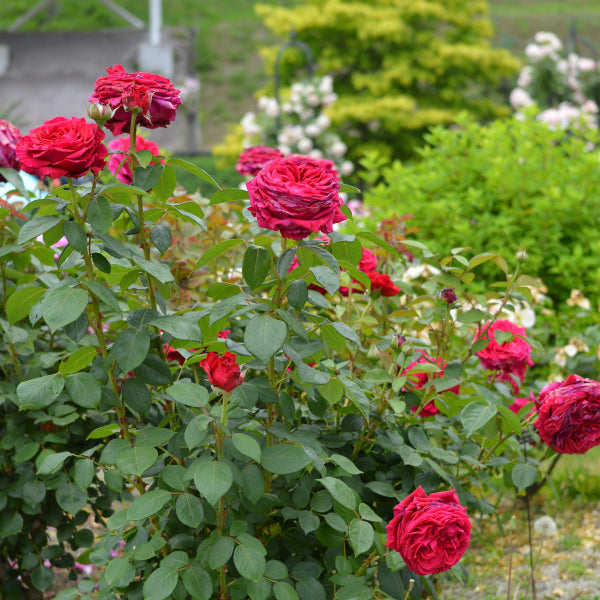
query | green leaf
(40,392)
(188,394)
(524,475)
(153,436)
(101,262)
(70,498)
(166,186)
(147,177)
(22,301)
(83,389)
(255,266)
(83,473)
(332,391)
(502,336)
(297,294)
(213,480)
(130,348)
(161,237)
(345,331)
(189,510)
(246,445)
(76,236)
(99,214)
(475,415)
(115,569)
(308,521)
(264,336)
(228,195)
(346,464)
(52,463)
(195,432)
(42,577)
(284,591)
(283,459)
(473,316)
(15,180)
(160,271)
(148,504)
(326,278)
(192,168)
(136,396)
(34,491)
(63,305)
(340,492)
(104,431)
(221,552)
(180,327)
(217,251)
(360,536)
(253,483)
(134,460)
(37,226)
(78,360)
(350,251)
(350,189)
(198,583)
(249,557)
(160,584)
(375,239)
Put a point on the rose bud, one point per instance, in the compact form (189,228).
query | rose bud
(449,295)
(100,113)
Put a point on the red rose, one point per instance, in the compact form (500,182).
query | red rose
(569,415)
(173,354)
(380,281)
(519,403)
(296,196)
(120,146)
(431,533)
(10,136)
(153,94)
(63,147)
(253,159)
(510,357)
(430,408)
(222,370)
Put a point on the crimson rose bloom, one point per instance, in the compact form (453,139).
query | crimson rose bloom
(63,147)
(430,408)
(380,281)
(431,533)
(253,159)
(120,146)
(223,372)
(296,196)
(153,94)
(10,136)
(511,357)
(569,415)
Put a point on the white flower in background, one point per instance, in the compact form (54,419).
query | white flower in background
(284,149)
(326,85)
(343,196)
(287,108)
(547,38)
(323,121)
(416,271)
(313,130)
(586,64)
(347,167)
(316,153)
(562,66)
(297,88)
(329,99)
(589,106)
(262,102)
(545,526)
(306,114)
(305,145)
(534,52)
(249,124)
(284,137)
(272,108)
(525,76)
(313,100)
(338,148)
(520,98)
(552,117)
(560,357)
(308,89)
(524,316)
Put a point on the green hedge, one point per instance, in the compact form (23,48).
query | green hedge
(501,186)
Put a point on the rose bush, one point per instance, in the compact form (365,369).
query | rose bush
(253,159)
(63,148)
(118,165)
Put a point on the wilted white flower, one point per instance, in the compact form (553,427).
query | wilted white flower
(545,526)
(578,299)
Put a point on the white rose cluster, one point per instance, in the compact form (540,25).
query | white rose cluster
(562,78)
(299,125)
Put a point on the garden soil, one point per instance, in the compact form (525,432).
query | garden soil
(52,74)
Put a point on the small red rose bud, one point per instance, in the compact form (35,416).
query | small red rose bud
(449,295)
(397,341)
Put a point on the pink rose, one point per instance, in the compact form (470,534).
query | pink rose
(511,357)
(253,159)
(154,96)
(296,196)
(10,136)
(431,533)
(569,415)
(63,147)
(119,147)
(430,408)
